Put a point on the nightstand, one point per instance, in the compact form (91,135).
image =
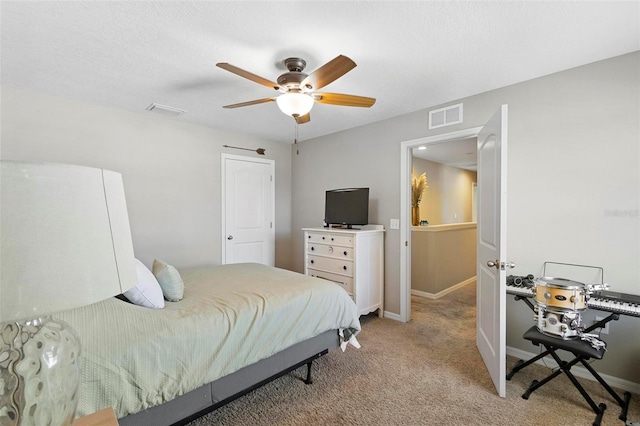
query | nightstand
(104,417)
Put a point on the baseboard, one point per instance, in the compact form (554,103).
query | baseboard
(443,292)
(392,315)
(581,372)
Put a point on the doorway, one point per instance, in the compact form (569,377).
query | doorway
(405,213)
(491,261)
(444,243)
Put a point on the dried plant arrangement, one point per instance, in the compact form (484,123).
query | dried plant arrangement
(418,185)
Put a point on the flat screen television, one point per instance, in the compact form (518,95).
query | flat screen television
(347,207)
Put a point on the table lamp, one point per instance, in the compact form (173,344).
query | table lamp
(65,242)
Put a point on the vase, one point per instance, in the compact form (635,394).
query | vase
(415,215)
(39,372)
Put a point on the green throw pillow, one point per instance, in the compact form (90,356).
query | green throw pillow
(170,281)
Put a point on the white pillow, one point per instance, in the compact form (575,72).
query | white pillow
(169,279)
(147,291)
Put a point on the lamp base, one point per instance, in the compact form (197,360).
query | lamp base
(39,372)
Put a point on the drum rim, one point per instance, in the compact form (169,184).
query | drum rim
(558,310)
(575,285)
(561,336)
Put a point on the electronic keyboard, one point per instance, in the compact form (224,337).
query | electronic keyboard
(609,301)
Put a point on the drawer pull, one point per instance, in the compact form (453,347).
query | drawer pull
(312,248)
(344,267)
(345,252)
(312,261)
(323,238)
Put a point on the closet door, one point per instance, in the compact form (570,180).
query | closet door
(248,198)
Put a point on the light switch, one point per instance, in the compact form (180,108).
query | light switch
(395,224)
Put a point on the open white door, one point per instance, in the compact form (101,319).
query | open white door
(492,247)
(248,210)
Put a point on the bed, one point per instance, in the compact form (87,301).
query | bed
(237,327)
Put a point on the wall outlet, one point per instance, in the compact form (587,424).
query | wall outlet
(394,224)
(605,329)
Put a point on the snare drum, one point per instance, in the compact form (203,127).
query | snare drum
(560,293)
(552,322)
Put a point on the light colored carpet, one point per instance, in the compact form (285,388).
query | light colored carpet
(425,372)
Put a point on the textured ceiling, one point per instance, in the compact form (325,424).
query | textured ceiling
(410,55)
(461,153)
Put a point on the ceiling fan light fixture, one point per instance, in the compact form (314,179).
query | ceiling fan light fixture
(298,89)
(295,104)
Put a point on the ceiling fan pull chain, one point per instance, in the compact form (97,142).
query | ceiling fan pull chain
(295,138)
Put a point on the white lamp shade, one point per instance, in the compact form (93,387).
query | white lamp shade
(295,104)
(65,239)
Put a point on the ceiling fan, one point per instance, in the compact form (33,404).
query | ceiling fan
(299,89)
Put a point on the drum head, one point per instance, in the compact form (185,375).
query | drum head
(559,283)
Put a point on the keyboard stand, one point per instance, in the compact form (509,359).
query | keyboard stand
(582,352)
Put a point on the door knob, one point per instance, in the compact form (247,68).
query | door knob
(230,237)
(496,264)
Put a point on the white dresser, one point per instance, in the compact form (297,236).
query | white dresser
(352,258)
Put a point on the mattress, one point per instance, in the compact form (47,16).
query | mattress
(134,358)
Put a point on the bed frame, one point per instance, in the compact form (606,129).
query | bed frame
(214,395)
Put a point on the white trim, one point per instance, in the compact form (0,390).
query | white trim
(577,371)
(223,184)
(444,292)
(405,212)
(445,227)
(392,315)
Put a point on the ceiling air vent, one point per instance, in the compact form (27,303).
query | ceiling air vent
(445,116)
(167,111)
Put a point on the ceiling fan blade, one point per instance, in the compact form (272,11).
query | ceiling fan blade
(248,75)
(256,102)
(303,118)
(343,100)
(328,73)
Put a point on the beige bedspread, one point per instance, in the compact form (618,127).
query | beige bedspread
(231,316)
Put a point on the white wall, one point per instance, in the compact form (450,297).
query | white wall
(171,169)
(447,198)
(573,182)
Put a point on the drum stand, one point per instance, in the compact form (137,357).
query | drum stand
(583,351)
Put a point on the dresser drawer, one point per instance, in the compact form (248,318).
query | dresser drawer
(345,282)
(330,250)
(320,237)
(336,266)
